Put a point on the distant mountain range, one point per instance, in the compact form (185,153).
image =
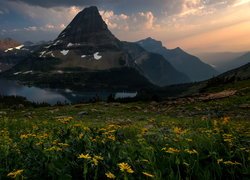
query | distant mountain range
(225,61)
(188,64)
(87,54)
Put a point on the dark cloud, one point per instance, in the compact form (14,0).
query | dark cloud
(129,6)
(55,3)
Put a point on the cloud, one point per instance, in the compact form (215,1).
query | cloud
(242,2)
(45,15)
(133,22)
(170,7)
(175,22)
(31,28)
(57,3)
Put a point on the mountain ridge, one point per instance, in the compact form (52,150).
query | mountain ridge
(86,44)
(181,60)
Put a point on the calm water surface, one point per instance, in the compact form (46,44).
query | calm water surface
(53,96)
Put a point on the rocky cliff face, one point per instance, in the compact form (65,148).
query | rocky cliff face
(87,30)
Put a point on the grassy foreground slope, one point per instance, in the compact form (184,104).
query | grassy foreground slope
(204,137)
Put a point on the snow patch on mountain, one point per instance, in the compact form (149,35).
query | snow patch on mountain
(28,72)
(64,52)
(57,42)
(50,53)
(97,56)
(68,91)
(42,53)
(59,72)
(70,44)
(19,47)
(16,73)
(11,49)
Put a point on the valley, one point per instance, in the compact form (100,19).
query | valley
(90,105)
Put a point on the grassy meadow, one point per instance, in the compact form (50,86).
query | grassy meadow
(167,140)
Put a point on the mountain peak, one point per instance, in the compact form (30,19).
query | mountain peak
(91,8)
(153,41)
(178,49)
(87,27)
(150,42)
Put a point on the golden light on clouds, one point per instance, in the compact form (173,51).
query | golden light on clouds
(233,38)
(226,30)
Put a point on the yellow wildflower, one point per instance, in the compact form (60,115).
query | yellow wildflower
(189,140)
(110,175)
(144,131)
(98,157)
(15,174)
(145,160)
(77,125)
(102,129)
(24,136)
(63,144)
(86,129)
(226,120)
(193,151)
(54,148)
(84,156)
(39,143)
(215,123)
(219,161)
(43,136)
(81,136)
(110,126)
(231,163)
(111,137)
(124,167)
(148,175)
(228,138)
(177,130)
(68,118)
(172,150)
(96,160)
(93,139)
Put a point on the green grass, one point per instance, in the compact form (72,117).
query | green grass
(200,140)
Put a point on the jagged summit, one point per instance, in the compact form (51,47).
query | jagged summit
(150,42)
(88,28)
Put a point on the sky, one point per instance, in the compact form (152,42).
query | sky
(194,25)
